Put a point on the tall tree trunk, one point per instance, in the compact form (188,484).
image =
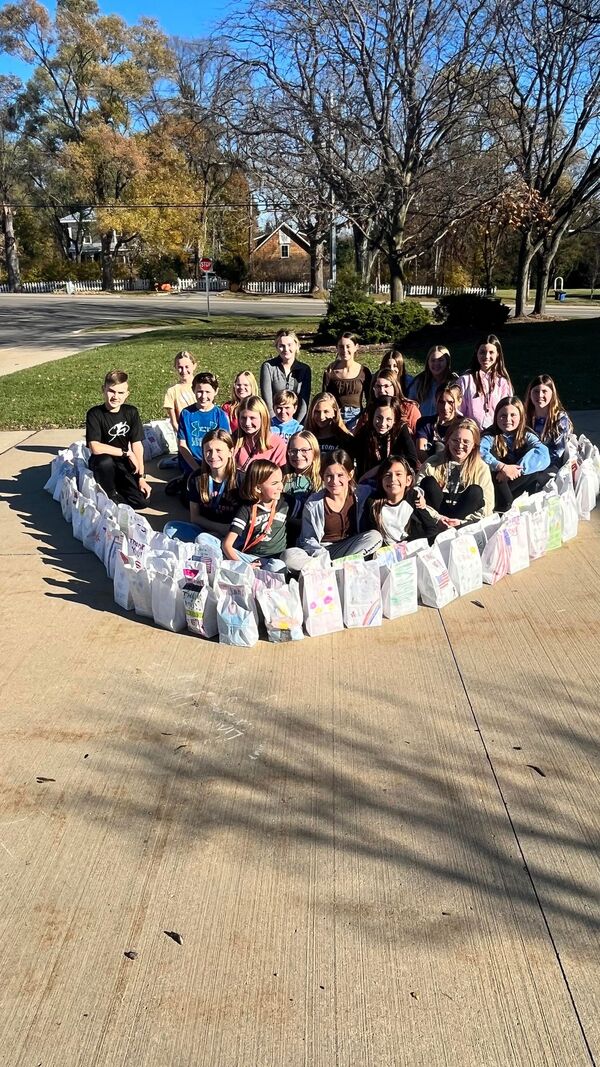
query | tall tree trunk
(108,261)
(360,253)
(317,265)
(10,249)
(541,289)
(397,277)
(526,253)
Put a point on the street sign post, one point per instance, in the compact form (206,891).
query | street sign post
(206,266)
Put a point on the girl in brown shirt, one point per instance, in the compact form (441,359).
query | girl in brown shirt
(348,380)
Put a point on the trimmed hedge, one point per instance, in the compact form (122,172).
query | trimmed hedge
(466,311)
(373,323)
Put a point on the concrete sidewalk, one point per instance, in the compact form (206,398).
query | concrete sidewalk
(379,848)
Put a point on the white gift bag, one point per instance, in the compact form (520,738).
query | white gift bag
(564,478)
(585,489)
(89,487)
(154,443)
(139,536)
(399,590)
(435,588)
(389,554)
(321,602)
(282,611)
(494,560)
(420,544)
(200,605)
(464,565)
(207,548)
(122,575)
(62,467)
(114,541)
(55,466)
(90,519)
(570,515)
(362,594)
(555,521)
(67,492)
(444,541)
(518,549)
(140,584)
(230,573)
(167,603)
(537,532)
(78,507)
(125,515)
(236,618)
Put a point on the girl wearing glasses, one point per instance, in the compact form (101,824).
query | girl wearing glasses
(301,477)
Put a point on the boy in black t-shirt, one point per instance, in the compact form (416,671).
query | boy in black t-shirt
(114,435)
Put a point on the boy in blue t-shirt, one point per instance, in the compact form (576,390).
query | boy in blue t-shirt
(197,420)
(285,405)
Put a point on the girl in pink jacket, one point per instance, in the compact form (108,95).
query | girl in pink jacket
(485,383)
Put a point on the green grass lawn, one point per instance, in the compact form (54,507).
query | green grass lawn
(58,394)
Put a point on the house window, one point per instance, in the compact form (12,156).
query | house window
(285,251)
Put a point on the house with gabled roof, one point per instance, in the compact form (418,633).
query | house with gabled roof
(280,254)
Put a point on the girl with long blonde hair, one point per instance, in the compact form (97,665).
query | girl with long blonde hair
(517,458)
(254,438)
(457,485)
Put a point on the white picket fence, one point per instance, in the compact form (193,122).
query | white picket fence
(218,285)
(430,290)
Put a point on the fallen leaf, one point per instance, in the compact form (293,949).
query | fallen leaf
(180,746)
(41,779)
(86,755)
(131,955)
(517,748)
(478,604)
(537,770)
(414,995)
(174,935)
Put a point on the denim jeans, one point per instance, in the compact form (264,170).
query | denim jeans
(350,417)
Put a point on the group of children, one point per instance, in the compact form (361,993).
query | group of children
(374,458)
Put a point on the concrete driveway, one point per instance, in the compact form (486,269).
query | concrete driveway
(379,848)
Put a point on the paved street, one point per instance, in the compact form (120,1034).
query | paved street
(37,329)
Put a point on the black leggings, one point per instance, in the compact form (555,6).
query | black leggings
(118,480)
(505,492)
(452,506)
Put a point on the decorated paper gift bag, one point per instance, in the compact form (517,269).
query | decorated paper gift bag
(122,591)
(464,565)
(518,548)
(399,590)
(555,519)
(536,523)
(140,584)
(282,611)
(494,560)
(362,593)
(435,588)
(236,618)
(200,604)
(570,515)
(585,489)
(321,602)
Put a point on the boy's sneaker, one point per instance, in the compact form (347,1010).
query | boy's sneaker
(168,463)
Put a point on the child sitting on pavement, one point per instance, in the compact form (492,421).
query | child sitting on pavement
(114,435)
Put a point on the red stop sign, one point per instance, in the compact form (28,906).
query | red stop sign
(206,264)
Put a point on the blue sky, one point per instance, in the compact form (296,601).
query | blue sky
(182,18)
